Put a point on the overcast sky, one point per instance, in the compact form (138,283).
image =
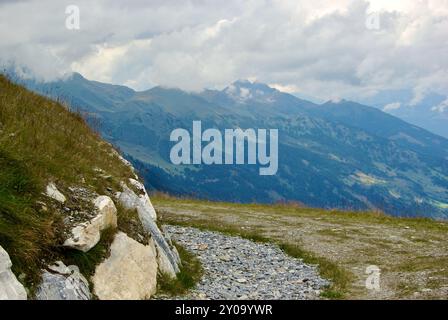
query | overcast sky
(326,49)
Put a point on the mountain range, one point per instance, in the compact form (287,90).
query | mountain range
(429,112)
(338,154)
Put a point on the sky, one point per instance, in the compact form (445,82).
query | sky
(325,49)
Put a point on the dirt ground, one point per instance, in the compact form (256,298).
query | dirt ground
(412,254)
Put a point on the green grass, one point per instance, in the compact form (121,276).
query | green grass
(327,269)
(129,223)
(52,141)
(42,141)
(335,216)
(190,273)
(25,233)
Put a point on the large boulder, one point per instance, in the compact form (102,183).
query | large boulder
(86,235)
(10,287)
(166,253)
(63,283)
(130,273)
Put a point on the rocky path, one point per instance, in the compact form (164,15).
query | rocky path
(236,268)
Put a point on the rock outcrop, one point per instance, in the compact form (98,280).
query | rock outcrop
(131,270)
(166,254)
(87,234)
(10,287)
(129,273)
(130,200)
(63,283)
(166,265)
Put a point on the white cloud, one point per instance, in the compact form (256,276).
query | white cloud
(392,106)
(289,88)
(441,107)
(321,48)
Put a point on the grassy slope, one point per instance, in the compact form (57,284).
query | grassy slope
(412,253)
(41,141)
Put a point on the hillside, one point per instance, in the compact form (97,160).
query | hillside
(336,155)
(411,253)
(71,208)
(77,223)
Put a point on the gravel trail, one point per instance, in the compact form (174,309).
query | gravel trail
(236,268)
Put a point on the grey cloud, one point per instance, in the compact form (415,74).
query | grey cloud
(197,44)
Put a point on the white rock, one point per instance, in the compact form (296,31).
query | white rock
(86,235)
(126,162)
(165,266)
(130,273)
(106,207)
(54,193)
(10,287)
(174,251)
(140,202)
(147,216)
(61,268)
(63,283)
(127,197)
(176,255)
(137,184)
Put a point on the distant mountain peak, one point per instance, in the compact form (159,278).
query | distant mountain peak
(247,90)
(336,101)
(76,76)
(253,85)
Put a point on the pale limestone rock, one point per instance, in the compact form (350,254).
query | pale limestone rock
(137,184)
(174,251)
(165,266)
(127,197)
(53,192)
(140,202)
(86,235)
(63,283)
(10,287)
(147,216)
(176,255)
(126,162)
(130,273)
